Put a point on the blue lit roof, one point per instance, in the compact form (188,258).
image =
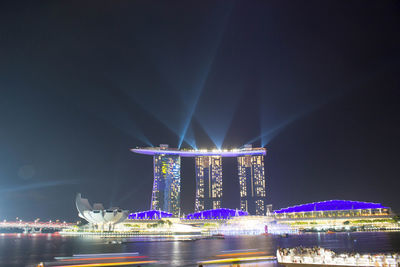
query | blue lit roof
(149,215)
(332,205)
(215,214)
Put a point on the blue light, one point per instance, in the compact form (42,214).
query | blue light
(332,205)
(217,127)
(266,136)
(194,153)
(270,134)
(190,138)
(193,107)
(214,117)
(149,215)
(215,214)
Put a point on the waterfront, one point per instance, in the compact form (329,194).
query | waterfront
(26,250)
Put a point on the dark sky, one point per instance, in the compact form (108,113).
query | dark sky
(315,82)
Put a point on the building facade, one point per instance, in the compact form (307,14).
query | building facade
(167,183)
(342,215)
(97,216)
(166,187)
(208,182)
(252,184)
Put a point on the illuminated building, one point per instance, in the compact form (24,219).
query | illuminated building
(167,183)
(215,214)
(337,214)
(251,225)
(236,152)
(97,216)
(333,208)
(252,184)
(208,182)
(149,215)
(166,187)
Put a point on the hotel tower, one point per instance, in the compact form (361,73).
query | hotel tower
(167,179)
(252,184)
(208,182)
(167,183)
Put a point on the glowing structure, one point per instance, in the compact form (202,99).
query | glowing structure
(167,183)
(166,186)
(149,215)
(252,225)
(215,214)
(252,184)
(338,214)
(333,208)
(100,218)
(236,152)
(208,182)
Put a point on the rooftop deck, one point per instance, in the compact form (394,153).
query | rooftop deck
(237,152)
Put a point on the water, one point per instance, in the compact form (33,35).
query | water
(26,250)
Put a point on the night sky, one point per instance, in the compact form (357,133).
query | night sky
(315,82)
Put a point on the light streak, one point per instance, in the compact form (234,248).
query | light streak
(240,254)
(107,254)
(243,259)
(239,250)
(105,258)
(108,264)
(190,114)
(202,81)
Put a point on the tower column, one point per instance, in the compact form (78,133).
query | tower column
(252,184)
(208,182)
(167,183)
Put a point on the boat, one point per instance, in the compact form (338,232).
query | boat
(318,256)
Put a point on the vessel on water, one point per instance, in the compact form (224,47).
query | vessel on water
(318,256)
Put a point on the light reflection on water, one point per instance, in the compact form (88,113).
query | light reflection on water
(26,250)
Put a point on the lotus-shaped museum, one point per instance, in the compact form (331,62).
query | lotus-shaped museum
(100,218)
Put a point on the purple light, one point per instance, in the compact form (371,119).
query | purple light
(215,214)
(194,153)
(332,205)
(149,215)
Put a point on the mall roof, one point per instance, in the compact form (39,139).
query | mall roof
(149,215)
(215,214)
(201,152)
(332,205)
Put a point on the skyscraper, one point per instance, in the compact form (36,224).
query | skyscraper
(167,165)
(167,183)
(208,182)
(252,184)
